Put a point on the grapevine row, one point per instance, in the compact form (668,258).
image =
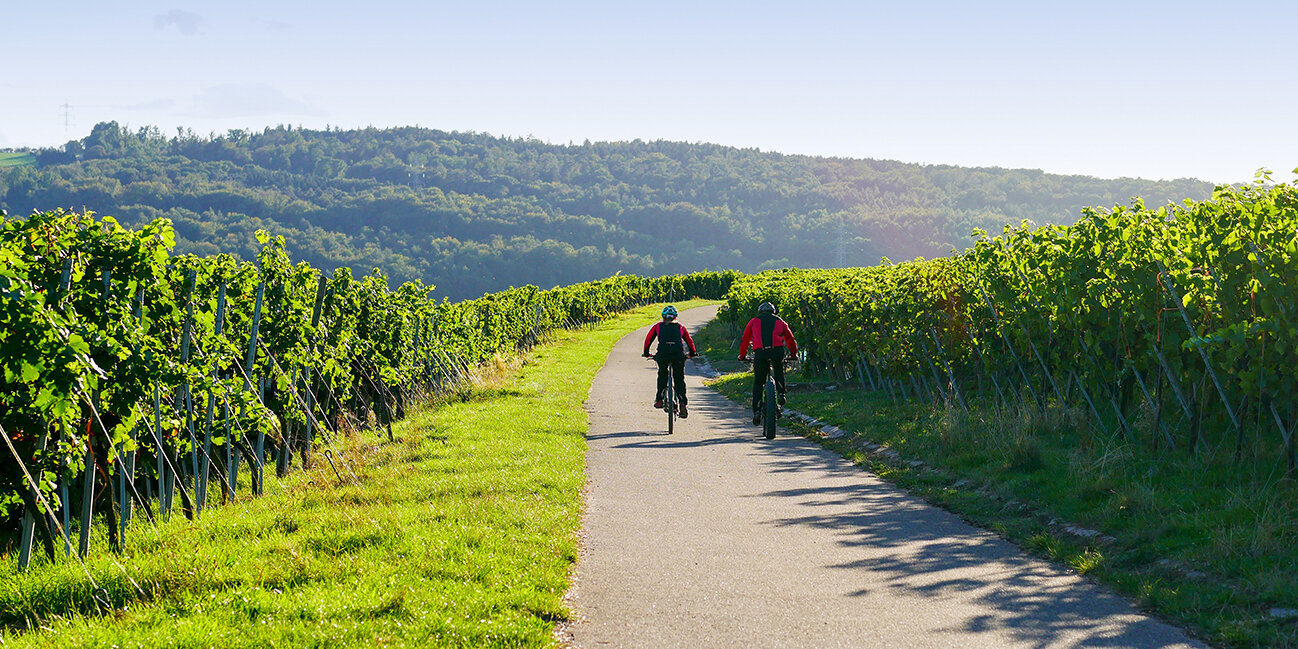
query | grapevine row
(1173,325)
(133,377)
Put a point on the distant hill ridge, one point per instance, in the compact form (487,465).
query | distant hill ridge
(473,213)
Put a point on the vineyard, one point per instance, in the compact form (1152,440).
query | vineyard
(1171,327)
(141,384)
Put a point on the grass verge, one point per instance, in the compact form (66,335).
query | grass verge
(1209,544)
(461,533)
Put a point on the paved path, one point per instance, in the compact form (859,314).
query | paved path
(716,537)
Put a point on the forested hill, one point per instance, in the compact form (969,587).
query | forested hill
(473,213)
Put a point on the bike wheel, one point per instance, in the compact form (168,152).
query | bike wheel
(669,404)
(770,410)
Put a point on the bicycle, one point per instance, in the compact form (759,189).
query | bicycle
(769,407)
(669,397)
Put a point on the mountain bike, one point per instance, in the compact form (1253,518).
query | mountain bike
(769,407)
(669,396)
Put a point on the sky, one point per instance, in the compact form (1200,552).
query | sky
(1156,90)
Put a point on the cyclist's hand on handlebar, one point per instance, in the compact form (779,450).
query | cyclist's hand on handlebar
(743,359)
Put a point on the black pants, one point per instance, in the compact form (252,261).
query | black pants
(677,367)
(767,360)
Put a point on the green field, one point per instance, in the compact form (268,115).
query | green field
(16,159)
(1206,545)
(461,533)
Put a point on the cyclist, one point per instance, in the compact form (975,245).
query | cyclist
(771,340)
(674,344)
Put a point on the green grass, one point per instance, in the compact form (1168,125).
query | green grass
(16,159)
(459,534)
(1207,543)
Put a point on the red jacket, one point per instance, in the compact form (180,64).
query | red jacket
(653,333)
(781,336)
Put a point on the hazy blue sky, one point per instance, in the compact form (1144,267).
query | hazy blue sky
(1148,89)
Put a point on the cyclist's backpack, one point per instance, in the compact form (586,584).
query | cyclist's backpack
(768,322)
(671,344)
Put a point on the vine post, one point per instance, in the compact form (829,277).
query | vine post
(27,534)
(88,471)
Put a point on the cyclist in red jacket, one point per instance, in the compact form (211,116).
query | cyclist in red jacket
(674,344)
(771,340)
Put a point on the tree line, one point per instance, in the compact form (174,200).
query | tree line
(472,213)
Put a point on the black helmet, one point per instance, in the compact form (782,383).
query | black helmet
(766,307)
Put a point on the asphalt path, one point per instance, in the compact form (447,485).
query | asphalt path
(717,537)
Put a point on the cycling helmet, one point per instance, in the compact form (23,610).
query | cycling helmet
(766,307)
(669,311)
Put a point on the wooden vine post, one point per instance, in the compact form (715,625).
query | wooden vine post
(1203,354)
(309,397)
(182,391)
(160,441)
(205,459)
(941,354)
(88,471)
(28,532)
(126,477)
(1000,328)
(259,456)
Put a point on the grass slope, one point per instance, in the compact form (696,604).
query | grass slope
(16,159)
(1212,546)
(459,534)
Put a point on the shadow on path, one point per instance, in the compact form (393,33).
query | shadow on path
(918,549)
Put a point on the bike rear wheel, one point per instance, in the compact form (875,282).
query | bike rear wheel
(770,410)
(669,404)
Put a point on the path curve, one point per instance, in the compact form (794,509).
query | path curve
(716,537)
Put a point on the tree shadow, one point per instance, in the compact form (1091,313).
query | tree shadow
(677,441)
(628,433)
(917,549)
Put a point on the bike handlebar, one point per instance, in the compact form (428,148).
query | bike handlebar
(654,357)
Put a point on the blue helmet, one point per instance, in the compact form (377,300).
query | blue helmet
(669,311)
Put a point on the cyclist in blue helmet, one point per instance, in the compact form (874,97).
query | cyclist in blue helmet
(674,345)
